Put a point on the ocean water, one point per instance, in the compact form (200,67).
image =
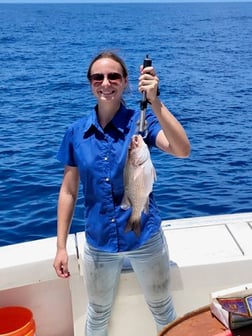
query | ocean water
(202,54)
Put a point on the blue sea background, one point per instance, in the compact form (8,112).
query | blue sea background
(202,54)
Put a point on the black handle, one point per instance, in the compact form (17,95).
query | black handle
(147,62)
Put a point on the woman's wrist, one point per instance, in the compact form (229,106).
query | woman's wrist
(156,102)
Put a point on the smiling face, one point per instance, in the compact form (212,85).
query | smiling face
(107,81)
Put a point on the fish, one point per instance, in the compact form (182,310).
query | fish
(139,176)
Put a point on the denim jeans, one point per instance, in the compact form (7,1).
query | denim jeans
(102,274)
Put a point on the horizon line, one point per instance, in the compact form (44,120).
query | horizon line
(118,1)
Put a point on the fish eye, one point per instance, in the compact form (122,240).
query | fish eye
(135,138)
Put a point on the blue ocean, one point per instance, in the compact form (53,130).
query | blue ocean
(202,54)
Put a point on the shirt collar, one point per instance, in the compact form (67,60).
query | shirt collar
(122,118)
(120,121)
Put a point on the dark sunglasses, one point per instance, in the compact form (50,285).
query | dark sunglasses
(111,76)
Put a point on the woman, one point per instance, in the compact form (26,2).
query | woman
(94,151)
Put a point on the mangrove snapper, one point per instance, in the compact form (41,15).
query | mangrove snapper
(139,176)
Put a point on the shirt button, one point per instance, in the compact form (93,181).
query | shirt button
(113,220)
(107,179)
(106,158)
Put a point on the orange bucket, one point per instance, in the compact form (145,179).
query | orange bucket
(16,321)
(199,322)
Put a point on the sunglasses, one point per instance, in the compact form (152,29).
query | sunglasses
(111,76)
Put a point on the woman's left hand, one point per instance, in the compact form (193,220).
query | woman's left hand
(148,83)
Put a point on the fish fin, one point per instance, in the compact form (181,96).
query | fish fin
(133,225)
(137,229)
(125,205)
(154,174)
(138,172)
(146,206)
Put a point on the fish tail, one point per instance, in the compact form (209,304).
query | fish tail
(134,224)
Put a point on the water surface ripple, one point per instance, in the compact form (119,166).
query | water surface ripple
(202,53)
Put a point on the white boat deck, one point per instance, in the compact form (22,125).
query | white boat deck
(207,254)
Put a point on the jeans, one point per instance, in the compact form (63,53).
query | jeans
(151,266)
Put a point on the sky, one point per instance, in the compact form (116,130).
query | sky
(104,1)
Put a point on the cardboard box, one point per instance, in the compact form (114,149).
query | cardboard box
(233,306)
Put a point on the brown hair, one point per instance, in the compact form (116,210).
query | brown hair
(111,55)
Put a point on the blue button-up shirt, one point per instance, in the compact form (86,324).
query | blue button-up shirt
(100,155)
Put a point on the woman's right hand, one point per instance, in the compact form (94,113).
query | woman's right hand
(61,264)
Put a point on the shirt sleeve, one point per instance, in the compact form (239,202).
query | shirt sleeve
(66,152)
(153,127)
